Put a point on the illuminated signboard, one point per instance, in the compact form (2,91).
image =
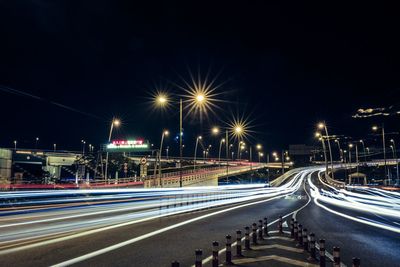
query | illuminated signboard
(128,146)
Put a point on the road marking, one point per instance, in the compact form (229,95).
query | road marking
(209,258)
(165,229)
(291,249)
(273,257)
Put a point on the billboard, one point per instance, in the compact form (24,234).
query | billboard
(133,145)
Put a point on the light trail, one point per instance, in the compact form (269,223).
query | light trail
(370,204)
(43,227)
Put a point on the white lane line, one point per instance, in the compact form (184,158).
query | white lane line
(139,238)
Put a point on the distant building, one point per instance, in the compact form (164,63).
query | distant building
(301,154)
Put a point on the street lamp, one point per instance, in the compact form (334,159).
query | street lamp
(397,161)
(164,133)
(83,146)
(365,154)
(340,150)
(375,128)
(55,147)
(15,144)
(195,151)
(219,152)
(320,138)
(198,101)
(323,126)
(114,123)
(36,142)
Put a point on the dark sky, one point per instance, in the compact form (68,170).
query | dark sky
(285,66)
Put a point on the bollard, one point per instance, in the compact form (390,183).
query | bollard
(266,227)
(280,225)
(260,230)
(198,261)
(254,236)
(322,259)
(228,254)
(239,243)
(215,260)
(300,235)
(175,264)
(336,256)
(292,228)
(312,247)
(247,238)
(296,231)
(356,262)
(305,240)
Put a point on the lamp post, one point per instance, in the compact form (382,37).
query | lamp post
(397,161)
(55,147)
(83,146)
(375,128)
(340,150)
(164,133)
(36,142)
(323,126)
(365,154)
(15,144)
(166,151)
(114,123)
(199,100)
(195,152)
(219,152)
(321,138)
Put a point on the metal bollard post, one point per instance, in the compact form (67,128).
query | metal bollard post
(239,243)
(336,257)
(300,235)
(312,247)
(247,238)
(175,264)
(356,262)
(266,227)
(280,225)
(198,260)
(215,260)
(322,259)
(292,228)
(305,240)
(296,231)
(260,230)
(228,253)
(254,236)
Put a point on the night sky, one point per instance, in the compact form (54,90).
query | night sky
(285,67)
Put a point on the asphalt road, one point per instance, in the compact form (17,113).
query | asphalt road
(159,241)
(156,242)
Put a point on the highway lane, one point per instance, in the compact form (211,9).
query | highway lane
(196,233)
(347,227)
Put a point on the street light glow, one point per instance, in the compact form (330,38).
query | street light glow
(215,130)
(116,122)
(258,146)
(374,128)
(321,125)
(166,132)
(317,134)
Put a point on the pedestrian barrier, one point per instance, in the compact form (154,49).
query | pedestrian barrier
(198,259)
(228,254)
(247,238)
(322,259)
(215,259)
(239,243)
(298,234)
(260,230)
